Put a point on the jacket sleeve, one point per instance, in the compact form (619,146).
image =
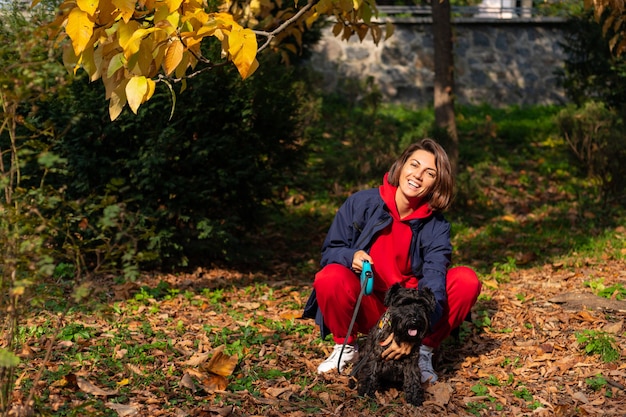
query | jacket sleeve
(437,255)
(338,244)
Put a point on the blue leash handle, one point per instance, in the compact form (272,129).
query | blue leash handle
(367,278)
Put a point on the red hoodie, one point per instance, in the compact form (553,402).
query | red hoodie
(390,251)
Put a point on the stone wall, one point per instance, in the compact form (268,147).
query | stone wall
(497,62)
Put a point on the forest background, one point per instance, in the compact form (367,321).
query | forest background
(158,264)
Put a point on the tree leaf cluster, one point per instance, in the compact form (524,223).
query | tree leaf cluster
(130,46)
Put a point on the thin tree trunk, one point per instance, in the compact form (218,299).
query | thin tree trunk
(444,77)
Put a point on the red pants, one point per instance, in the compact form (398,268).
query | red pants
(338,287)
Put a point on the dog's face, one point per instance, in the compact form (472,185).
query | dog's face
(409,312)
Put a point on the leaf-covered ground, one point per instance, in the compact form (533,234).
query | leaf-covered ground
(222,343)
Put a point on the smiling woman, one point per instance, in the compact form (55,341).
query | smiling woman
(400,230)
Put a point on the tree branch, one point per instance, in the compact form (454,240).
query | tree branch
(271,35)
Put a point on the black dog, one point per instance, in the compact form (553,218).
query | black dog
(408,318)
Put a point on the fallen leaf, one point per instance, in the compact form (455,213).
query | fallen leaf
(187,382)
(212,383)
(614,328)
(249,305)
(197,359)
(122,409)
(221,363)
(579,396)
(90,388)
(290,315)
(277,392)
(441,393)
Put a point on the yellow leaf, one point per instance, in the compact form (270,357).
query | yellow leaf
(88,6)
(173,4)
(173,56)
(117,100)
(125,32)
(159,54)
(182,65)
(79,28)
(17,291)
(221,363)
(150,90)
(165,20)
(123,382)
(70,61)
(144,60)
(491,283)
(88,62)
(107,13)
(242,46)
(97,59)
(116,63)
(126,8)
(136,90)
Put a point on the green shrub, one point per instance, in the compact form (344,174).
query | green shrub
(187,189)
(595,137)
(590,70)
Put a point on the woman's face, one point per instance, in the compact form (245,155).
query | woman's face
(418,175)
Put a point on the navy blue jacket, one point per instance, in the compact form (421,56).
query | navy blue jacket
(354,228)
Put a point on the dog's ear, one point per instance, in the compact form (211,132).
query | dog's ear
(392,292)
(427,298)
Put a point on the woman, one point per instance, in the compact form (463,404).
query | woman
(399,228)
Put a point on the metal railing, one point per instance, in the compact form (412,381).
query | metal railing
(498,9)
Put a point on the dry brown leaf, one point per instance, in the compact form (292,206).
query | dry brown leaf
(579,396)
(90,388)
(123,409)
(249,305)
(212,383)
(278,392)
(614,328)
(197,359)
(220,363)
(187,382)
(290,315)
(441,393)
(134,369)
(222,411)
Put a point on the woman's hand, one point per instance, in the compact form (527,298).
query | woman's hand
(357,260)
(395,351)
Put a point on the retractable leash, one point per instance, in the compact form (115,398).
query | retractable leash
(367,287)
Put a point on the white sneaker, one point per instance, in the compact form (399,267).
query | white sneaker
(426,364)
(349,354)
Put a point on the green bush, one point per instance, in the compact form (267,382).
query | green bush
(191,186)
(595,137)
(590,70)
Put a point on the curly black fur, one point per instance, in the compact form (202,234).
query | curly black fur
(408,318)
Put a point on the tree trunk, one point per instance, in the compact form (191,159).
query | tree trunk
(444,78)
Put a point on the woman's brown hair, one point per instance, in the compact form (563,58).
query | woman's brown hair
(441,194)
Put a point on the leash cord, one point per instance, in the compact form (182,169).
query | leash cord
(356,311)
